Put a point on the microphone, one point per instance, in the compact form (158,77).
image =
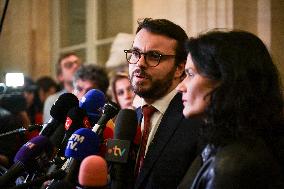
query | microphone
(99,114)
(120,150)
(22,130)
(59,174)
(81,144)
(93,172)
(58,112)
(76,118)
(104,127)
(93,102)
(34,155)
(110,110)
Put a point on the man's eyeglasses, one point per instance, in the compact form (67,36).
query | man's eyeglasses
(152,58)
(69,64)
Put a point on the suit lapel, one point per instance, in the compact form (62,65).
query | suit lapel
(166,129)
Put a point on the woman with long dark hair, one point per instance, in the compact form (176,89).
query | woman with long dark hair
(232,83)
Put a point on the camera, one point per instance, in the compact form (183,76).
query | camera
(11,93)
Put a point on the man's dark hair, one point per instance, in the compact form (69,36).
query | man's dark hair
(169,29)
(95,74)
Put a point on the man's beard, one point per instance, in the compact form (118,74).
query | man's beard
(158,88)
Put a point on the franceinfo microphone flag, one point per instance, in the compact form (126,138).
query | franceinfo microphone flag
(81,144)
(120,150)
(58,112)
(93,172)
(33,155)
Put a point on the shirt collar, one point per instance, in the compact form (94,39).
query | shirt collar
(162,104)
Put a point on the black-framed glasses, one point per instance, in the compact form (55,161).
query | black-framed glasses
(152,58)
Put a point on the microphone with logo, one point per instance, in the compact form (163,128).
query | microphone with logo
(120,150)
(93,102)
(32,157)
(58,112)
(99,114)
(76,118)
(93,173)
(81,144)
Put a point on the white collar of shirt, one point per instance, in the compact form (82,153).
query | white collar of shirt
(161,105)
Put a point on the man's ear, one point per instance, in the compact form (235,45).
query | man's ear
(180,70)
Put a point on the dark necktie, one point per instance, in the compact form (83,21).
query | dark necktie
(148,111)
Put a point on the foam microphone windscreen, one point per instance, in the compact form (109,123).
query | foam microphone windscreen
(81,144)
(32,149)
(93,172)
(62,105)
(93,102)
(126,125)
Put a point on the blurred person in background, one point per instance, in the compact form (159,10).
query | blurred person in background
(121,89)
(65,69)
(34,105)
(90,77)
(46,87)
(234,86)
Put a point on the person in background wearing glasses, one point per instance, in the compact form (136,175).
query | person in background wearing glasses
(65,69)
(121,89)
(156,66)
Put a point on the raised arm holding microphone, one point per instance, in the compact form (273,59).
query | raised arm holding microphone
(156,66)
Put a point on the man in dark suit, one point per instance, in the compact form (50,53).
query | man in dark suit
(156,66)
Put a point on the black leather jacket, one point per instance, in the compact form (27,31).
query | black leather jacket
(239,165)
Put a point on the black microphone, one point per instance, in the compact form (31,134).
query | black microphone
(120,150)
(34,155)
(59,174)
(109,111)
(76,118)
(58,112)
